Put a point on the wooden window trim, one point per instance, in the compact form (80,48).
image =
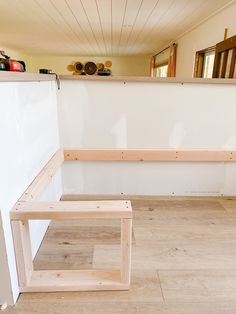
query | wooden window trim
(199,61)
(159,65)
(224,47)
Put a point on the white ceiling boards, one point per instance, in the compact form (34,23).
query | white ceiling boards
(99,27)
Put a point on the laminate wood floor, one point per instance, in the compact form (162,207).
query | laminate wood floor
(183,260)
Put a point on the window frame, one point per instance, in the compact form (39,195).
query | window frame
(199,61)
(159,65)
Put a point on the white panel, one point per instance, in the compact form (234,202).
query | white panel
(148,115)
(131,178)
(5,286)
(156,115)
(28,137)
(38,228)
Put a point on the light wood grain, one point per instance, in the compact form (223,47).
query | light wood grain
(229,205)
(106,256)
(150,155)
(198,231)
(188,254)
(43,178)
(79,234)
(67,256)
(179,267)
(126,243)
(22,246)
(68,280)
(72,210)
(145,288)
(70,303)
(74,280)
(197,285)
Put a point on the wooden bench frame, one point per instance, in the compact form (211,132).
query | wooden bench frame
(29,207)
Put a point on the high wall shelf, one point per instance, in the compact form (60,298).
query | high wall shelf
(30,77)
(146,79)
(25,77)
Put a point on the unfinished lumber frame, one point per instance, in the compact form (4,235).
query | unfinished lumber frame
(194,155)
(29,207)
(31,280)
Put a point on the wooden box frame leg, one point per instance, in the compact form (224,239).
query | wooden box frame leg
(126,243)
(22,244)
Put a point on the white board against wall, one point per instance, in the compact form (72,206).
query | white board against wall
(96,114)
(29,138)
(5,287)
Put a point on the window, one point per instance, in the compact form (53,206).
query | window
(160,63)
(161,70)
(204,63)
(208,64)
(163,64)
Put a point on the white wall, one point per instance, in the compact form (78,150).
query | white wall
(5,286)
(109,115)
(126,66)
(205,35)
(29,138)
(147,115)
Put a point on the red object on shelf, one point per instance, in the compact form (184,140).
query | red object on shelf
(7,64)
(15,66)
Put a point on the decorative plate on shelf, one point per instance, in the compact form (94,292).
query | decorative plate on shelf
(90,68)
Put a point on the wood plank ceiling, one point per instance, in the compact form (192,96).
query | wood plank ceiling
(99,27)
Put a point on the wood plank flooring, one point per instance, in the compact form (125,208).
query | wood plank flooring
(183,260)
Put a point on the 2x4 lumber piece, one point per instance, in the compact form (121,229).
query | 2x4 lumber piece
(43,178)
(150,155)
(93,154)
(71,210)
(126,243)
(74,280)
(22,245)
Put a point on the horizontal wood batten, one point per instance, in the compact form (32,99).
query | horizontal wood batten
(74,280)
(71,210)
(150,155)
